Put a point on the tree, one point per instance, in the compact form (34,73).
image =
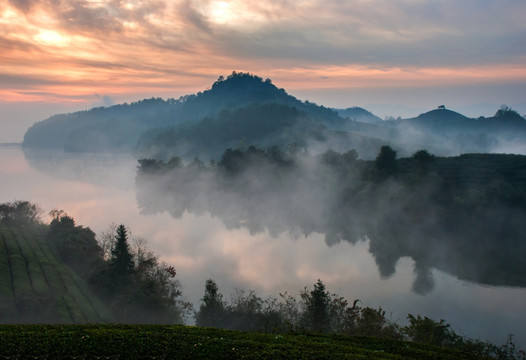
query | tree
(371,321)
(212,309)
(76,244)
(121,258)
(138,287)
(424,161)
(385,162)
(19,213)
(428,331)
(423,156)
(317,305)
(245,311)
(505,110)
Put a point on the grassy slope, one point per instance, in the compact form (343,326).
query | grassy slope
(184,342)
(36,287)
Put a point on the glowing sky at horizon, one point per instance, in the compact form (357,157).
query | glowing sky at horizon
(337,53)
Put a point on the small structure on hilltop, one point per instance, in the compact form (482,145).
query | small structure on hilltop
(441,107)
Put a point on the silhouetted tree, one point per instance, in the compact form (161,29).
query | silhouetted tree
(428,331)
(245,311)
(121,262)
(316,302)
(424,161)
(385,162)
(505,110)
(76,245)
(423,156)
(212,309)
(19,213)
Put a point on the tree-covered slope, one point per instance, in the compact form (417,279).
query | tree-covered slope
(158,126)
(98,129)
(118,127)
(259,124)
(62,273)
(359,114)
(37,287)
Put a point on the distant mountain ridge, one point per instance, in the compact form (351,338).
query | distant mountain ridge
(359,114)
(449,133)
(119,127)
(164,128)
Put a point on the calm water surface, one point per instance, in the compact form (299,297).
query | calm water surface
(98,190)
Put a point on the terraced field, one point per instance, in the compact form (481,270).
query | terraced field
(35,287)
(481,169)
(475,170)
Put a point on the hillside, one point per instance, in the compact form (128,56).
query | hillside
(261,125)
(439,118)
(359,114)
(243,109)
(36,287)
(448,133)
(117,128)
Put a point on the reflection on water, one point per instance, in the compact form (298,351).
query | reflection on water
(426,219)
(202,247)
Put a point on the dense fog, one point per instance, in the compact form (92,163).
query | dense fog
(201,245)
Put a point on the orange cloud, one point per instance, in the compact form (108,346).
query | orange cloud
(68,50)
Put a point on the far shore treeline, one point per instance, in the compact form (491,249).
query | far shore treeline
(465,215)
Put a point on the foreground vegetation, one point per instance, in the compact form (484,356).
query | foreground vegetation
(183,342)
(60,274)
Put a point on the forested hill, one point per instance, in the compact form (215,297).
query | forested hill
(261,125)
(449,133)
(244,109)
(119,127)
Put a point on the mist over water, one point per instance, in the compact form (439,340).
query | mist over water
(97,190)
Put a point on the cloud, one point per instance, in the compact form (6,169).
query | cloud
(94,19)
(188,43)
(191,16)
(23,5)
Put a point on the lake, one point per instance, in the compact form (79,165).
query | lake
(98,190)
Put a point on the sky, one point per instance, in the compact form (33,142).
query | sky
(392,57)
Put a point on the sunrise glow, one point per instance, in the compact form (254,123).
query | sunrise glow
(130,50)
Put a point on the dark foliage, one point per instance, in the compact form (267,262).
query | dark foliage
(385,162)
(19,213)
(121,262)
(137,286)
(318,311)
(212,311)
(76,245)
(262,124)
(180,342)
(317,306)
